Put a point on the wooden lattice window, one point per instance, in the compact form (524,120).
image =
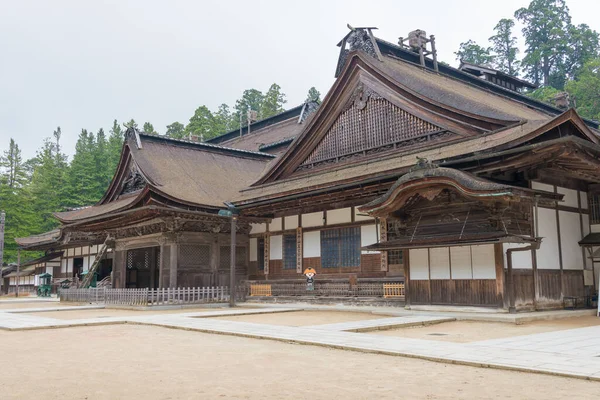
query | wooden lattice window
(194,255)
(395,257)
(225,256)
(340,247)
(594,206)
(138,258)
(260,252)
(289,251)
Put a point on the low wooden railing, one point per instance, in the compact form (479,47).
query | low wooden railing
(151,297)
(333,289)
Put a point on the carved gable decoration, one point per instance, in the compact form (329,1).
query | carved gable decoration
(371,125)
(134,181)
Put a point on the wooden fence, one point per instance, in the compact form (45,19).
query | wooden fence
(151,297)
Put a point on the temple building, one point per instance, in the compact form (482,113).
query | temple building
(448,180)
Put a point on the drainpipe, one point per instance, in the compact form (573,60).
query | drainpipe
(509,273)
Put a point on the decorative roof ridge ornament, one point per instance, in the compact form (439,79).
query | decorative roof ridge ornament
(358,39)
(135,134)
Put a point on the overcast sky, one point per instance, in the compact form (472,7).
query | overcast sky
(81,64)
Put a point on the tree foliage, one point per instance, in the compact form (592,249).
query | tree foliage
(585,90)
(313,95)
(504,47)
(471,52)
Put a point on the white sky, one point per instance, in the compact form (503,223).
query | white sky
(81,64)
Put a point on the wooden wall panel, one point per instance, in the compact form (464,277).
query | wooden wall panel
(441,291)
(523,287)
(573,283)
(419,292)
(548,285)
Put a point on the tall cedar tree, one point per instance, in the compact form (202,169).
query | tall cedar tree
(585,91)
(176,130)
(273,102)
(504,46)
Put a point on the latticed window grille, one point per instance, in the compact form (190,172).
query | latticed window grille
(340,247)
(260,253)
(594,206)
(194,255)
(138,258)
(225,256)
(378,124)
(289,251)
(395,257)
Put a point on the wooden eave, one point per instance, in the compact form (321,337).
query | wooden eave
(361,68)
(450,240)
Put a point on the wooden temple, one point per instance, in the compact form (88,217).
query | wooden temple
(466,190)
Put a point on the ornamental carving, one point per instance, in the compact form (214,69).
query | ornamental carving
(134,181)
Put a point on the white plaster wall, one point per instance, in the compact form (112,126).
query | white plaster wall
(341,216)
(275,225)
(484,262)
(368,236)
(312,219)
(49,270)
(276,247)
(520,259)
(77,251)
(358,216)
(86,263)
(542,186)
(586,224)
(258,228)
(460,257)
(439,263)
(85,250)
(570,198)
(584,200)
(291,222)
(419,264)
(253,249)
(70,265)
(70,252)
(63,266)
(547,255)
(311,244)
(595,228)
(570,234)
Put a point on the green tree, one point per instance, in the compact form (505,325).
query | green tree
(473,53)
(504,46)
(130,124)
(223,120)
(12,164)
(83,177)
(149,128)
(252,99)
(585,90)
(313,95)
(113,147)
(201,124)
(546,24)
(176,130)
(273,101)
(584,46)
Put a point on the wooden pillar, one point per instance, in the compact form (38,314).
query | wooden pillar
(560,255)
(152,267)
(510,282)
(406,261)
(214,260)
(118,278)
(174,250)
(161,267)
(499,260)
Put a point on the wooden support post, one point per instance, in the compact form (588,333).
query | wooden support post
(152,267)
(232,267)
(406,260)
(174,250)
(18,271)
(161,267)
(499,260)
(509,282)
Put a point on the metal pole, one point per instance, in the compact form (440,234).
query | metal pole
(232,269)
(2,218)
(18,271)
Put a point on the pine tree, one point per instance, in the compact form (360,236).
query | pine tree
(273,101)
(504,46)
(113,147)
(252,99)
(313,95)
(223,120)
(130,124)
(201,124)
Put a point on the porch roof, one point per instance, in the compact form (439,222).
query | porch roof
(591,239)
(450,240)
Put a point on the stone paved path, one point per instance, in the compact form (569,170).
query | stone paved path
(570,353)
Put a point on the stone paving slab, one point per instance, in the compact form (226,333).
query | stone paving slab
(46,309)
(383,323)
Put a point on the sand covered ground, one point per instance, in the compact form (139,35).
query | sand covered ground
(303,318)
(471,331)
(143,362)
(8,305)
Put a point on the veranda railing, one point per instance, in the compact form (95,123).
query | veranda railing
(150,297)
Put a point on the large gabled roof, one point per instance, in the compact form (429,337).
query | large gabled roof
(184,173)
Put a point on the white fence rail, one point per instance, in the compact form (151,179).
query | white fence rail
(149,297)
